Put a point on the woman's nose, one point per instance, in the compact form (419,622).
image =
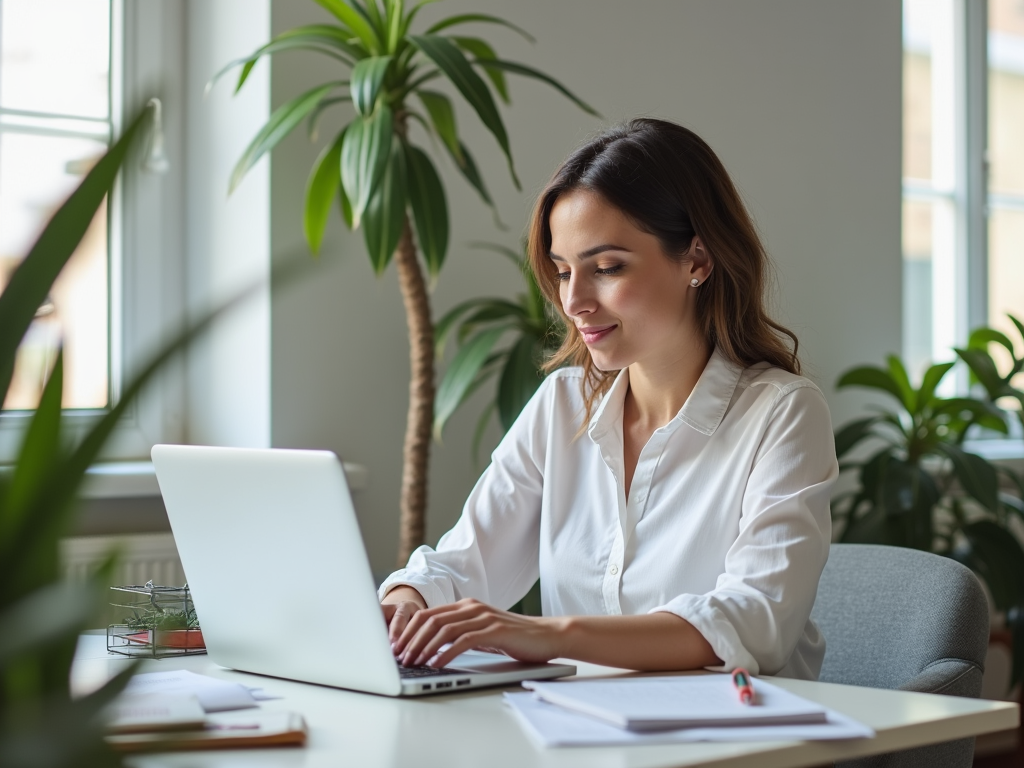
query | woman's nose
(577,296)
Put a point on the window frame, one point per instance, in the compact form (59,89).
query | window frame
(145,231)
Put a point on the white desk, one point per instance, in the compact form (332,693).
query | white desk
(474,729)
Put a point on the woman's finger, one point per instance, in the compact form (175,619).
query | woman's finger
(465,643)
(427,627)
(449,634)
(400,618)
(435,617)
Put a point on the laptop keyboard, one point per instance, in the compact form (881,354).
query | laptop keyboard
(408,672)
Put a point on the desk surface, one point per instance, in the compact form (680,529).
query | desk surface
(474,728)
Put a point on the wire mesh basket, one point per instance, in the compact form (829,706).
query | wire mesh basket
(159,622)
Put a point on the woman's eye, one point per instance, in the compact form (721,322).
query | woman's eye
(563,275)
(610,270)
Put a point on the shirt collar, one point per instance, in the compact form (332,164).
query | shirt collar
(703,410)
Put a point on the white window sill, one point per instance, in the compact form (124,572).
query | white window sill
(137,479)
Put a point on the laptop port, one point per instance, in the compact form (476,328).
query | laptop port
(444,685)
(425,687)
(462,682)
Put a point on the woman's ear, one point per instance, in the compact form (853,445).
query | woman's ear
(700,265)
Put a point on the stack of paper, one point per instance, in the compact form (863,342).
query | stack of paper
(671,709)
(179,709)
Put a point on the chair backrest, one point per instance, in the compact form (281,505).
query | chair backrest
(892,615)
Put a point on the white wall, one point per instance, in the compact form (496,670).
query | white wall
(227,237)
(800,98)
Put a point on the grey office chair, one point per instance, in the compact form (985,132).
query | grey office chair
(907,620)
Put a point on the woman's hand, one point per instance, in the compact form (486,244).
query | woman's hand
(470,624)
(400,605)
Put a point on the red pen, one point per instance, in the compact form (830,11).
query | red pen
(741,679)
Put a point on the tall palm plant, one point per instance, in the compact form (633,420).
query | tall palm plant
(387,185)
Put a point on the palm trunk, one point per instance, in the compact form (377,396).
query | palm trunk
(420,418)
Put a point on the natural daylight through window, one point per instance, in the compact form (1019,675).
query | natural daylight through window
(56,120)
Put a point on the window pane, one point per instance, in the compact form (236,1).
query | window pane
(1005,275)
(36,174)
(1006,96)
(917,285)
(56,56)
(917,89)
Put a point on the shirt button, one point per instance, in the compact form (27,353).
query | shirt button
(614,570)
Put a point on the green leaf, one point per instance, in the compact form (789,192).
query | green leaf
(981,337)
(467,166)
(385,214)
(395,23)
(450,60)
(984,369)
(429,208)
(908,494)
(313,122)
(280,124)
(442,117)
(1017,324)
(853,433)
(367,78)
(466,18)
(323,184)
(346,207)
(929,383)
(977,476)
(518,381)
(315,38)
(364,156)
(996,556)
(355,21)
(449,320)
(458,379)
(36,456)
(899,375)
(479,430)
(501,250)
(872,378)
(30,282)
(521,69)
(483,52)
(370,11)
(970,410)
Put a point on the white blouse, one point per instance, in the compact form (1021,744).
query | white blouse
(727,522)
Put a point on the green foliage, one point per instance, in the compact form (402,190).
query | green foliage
(372,163)
(41,617)
(983,366)
(480,327)
(918,487)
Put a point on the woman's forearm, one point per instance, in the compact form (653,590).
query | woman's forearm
(652,642)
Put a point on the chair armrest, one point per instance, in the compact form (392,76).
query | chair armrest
(952,677)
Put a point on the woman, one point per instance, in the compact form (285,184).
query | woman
(671,485)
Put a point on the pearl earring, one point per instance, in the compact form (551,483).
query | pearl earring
(695,282)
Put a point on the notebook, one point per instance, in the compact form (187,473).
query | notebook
(667,703)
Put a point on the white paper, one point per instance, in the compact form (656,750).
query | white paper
(552,726)
(681,701)
(214,695)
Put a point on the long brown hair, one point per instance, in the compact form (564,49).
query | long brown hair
(671,184)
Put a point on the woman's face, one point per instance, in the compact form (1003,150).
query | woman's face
(630,302)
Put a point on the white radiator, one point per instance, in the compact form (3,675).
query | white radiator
(141,558)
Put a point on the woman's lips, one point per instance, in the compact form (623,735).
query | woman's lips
(595,333)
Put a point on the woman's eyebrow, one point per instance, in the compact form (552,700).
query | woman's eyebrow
(591,252)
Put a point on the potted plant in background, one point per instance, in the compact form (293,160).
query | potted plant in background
(917,487)
(386,184)
(499,338)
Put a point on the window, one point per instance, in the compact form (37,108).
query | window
(963,174)
(56,119)
(70,72)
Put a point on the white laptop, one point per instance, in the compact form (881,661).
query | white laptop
(279,575)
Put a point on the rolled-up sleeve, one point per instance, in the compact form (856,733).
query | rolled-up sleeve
(759,610)
(491,553)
